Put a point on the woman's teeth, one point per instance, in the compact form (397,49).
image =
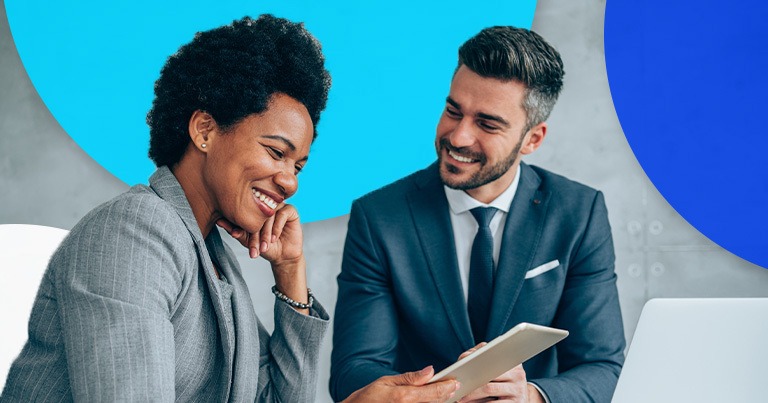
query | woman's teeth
(265,199)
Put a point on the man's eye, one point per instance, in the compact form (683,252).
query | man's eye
(298,168)
(487,127)
(451,112)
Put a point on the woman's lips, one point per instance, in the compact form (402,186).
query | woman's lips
(266,204)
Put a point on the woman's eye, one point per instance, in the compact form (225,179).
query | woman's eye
(275,152)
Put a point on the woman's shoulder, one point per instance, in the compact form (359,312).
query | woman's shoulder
(138,208)
(135,225)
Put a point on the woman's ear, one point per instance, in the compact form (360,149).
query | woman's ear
(201,124)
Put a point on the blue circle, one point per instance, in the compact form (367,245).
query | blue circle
(689,86)
(94,64)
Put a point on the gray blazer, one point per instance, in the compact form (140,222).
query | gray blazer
(129,309)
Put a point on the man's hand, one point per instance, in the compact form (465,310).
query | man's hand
(511,386)
(407,387)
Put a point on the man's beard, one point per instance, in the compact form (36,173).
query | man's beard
(485,175)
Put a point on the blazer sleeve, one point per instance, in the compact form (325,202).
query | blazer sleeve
(117,279)
(289,359)
(365,332)
(590,358)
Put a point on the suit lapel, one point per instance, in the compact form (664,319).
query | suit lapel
(522,231)
(429,209)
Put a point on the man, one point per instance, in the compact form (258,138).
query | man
(426,274)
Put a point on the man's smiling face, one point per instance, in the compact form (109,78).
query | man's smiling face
(480,133)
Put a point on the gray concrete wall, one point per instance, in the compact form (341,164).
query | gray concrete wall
(46,179)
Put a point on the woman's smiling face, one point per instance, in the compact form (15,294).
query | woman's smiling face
(250,169)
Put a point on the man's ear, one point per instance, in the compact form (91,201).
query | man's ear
(201,125)
(535,137)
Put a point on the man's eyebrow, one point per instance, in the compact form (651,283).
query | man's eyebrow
(494,118)
(283,139)
(481,115)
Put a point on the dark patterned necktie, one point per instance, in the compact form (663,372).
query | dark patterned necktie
(481,274)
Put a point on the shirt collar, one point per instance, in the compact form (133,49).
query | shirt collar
(460,202)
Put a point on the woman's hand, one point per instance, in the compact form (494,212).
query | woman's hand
(407,387)
(280,240)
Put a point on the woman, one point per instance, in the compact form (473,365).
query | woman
(143,301)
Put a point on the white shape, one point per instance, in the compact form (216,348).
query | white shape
(542,269)
(697,350)
(24,254)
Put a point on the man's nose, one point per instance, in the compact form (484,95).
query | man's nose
(463,134)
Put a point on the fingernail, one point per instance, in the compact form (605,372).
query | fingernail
(425,370)
(237,233)
(254,253)
(458,385)
(264,246)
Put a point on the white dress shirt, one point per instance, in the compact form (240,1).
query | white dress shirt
(465,227)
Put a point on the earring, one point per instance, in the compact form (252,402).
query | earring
(203,145)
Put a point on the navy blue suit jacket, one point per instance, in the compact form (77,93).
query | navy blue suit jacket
(401,305)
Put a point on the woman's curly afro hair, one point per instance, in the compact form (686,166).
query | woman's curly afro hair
(231,72)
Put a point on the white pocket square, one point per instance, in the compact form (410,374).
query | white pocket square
(542,269)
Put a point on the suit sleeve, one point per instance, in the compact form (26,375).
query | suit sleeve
(590,358)
(365,331)
(118,278)
(289,359)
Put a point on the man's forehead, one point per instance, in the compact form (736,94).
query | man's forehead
(486,94)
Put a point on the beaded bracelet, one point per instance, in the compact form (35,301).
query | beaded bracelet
(295,304)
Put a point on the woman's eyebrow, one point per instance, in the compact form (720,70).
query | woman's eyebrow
(283,139)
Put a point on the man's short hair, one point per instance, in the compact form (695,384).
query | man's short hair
(509,53)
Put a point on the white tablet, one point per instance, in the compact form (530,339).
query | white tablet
(499,356)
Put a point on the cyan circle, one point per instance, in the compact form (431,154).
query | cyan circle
(94,64)
(689,86)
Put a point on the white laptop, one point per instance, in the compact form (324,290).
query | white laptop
(698,350)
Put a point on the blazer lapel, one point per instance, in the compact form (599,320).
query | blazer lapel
(164,183)
(522,231)
(429,209)
(244,346)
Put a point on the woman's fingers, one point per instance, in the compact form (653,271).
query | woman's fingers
(265,235)
(233,230)
(284,215)
(270,232)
